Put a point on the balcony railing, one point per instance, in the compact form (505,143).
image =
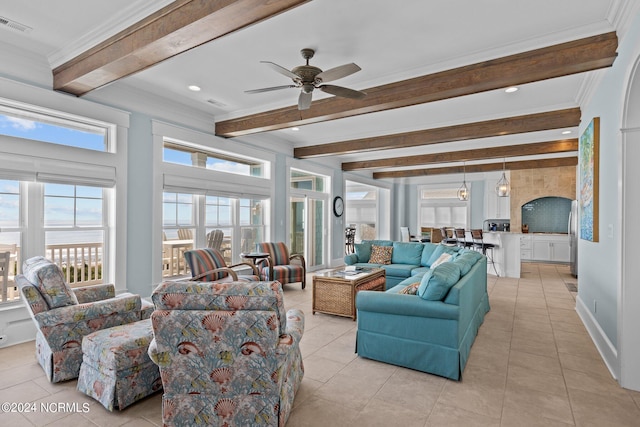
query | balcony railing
(81,263)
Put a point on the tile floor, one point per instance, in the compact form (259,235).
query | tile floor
(532,364)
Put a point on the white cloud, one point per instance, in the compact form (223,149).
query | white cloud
(20,124)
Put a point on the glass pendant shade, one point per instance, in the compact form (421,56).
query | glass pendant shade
(463,191)
(503,188)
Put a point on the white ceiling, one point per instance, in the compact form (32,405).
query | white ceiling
(391,41)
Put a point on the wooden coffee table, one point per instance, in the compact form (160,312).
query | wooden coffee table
(334,291)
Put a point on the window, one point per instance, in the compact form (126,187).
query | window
(74,231)
(241,221)
(60,199)
(55,130)
(362,210)
(10,237)
(306,181)
(440,207)
(184,154)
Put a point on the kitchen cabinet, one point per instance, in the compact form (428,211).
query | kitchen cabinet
(495,207)
(525,247)
(545,247)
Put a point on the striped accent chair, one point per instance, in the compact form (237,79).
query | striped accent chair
(280,265)
(208,265)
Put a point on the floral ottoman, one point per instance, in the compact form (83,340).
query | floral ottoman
(116,369)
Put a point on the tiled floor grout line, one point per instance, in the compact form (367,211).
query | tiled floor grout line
(555,341)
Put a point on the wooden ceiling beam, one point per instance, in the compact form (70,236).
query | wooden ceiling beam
(174,29)
(537,148)
(498,127)
(487,167)
(563,59)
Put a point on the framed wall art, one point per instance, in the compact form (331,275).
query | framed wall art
(589,169)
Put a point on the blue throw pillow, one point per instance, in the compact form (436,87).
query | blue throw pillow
(465,262)
(406,253)
(436,283)
(363,250)
(435,255)
(427,252)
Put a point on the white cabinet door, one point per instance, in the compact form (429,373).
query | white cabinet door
(541,249)
(560,251)
(495,207)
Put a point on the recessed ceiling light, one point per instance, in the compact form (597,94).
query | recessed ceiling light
(295,129)
(511,89)
(194,88)
(566,132)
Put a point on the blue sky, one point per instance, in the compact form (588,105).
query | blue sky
(23,128)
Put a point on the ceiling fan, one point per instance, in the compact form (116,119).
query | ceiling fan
(307,78)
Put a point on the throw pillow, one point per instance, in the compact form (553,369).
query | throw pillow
(381,254)
(436,283)
(411,289)
(49,280)
(442,258)
(363,251)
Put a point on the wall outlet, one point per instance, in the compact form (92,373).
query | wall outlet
(3,340)
(595,306)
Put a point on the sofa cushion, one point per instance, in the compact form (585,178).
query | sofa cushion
(419,270)
(398,270)
(49,279)
(442,258)
(381,254)
(427,251)
(407,253)
(363,250)
(465,261)
(436,283)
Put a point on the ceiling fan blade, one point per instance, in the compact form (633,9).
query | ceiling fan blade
(342,91)
(338,72)
(281,70)
(269,89)
(304,100)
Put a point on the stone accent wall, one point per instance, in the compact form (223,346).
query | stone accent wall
(530,184)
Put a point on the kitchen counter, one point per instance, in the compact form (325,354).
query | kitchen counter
(506,254)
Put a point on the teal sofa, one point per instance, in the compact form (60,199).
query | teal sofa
(408,259)
(431,335)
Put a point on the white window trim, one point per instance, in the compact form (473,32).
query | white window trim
(180,178)
(68,161)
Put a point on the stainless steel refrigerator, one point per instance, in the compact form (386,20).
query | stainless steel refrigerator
(573,238)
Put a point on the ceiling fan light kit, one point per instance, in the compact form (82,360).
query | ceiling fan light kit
(308,77)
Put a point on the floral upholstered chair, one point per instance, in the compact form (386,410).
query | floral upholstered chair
(227,352)
(280,265)
(63,316)
(208,265)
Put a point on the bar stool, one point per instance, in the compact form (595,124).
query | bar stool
(461,238)
(479,244)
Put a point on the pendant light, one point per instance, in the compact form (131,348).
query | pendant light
(463,191)
(503,188)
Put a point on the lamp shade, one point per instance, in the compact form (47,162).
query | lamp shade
(502,187)
(463,192)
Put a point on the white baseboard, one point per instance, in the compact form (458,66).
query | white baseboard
(605,347)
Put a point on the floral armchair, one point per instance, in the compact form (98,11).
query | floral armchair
(280,265)
(228,353)
(63,316)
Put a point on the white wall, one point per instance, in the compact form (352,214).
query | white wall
(600,263)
